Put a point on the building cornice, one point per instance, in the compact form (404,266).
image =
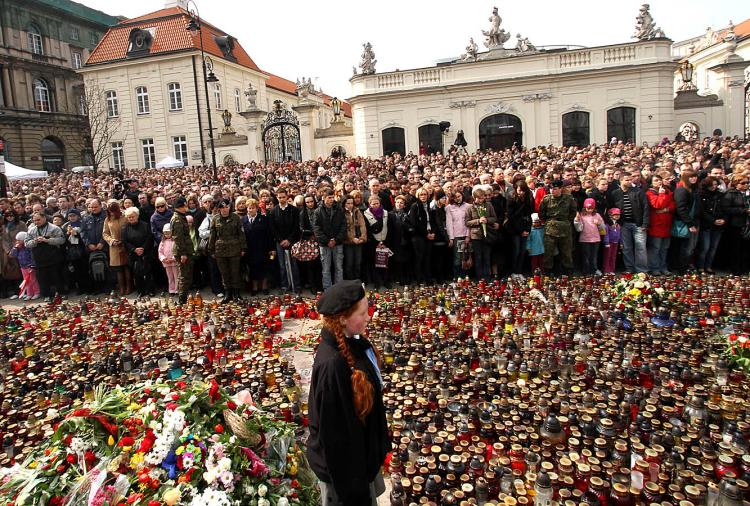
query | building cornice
(461,87)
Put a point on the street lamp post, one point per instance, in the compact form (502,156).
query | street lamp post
(195,27)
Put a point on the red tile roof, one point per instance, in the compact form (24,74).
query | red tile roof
(170,35)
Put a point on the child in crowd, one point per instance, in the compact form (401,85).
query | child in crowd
(592,229)
(29,287)
(382,254)
(535,244)
(167,259)
(612,240)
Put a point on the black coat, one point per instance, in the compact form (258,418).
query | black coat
(306,223)
(285,224)
(711,210)
(735,207)
(329,223)
(137,236)
(688,206)
(638,202)
(441,230)
(342,450)
(418,219)
(519,216)
(259,244)
(399,235)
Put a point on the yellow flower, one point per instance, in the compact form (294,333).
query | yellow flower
(136,460)
(179,450)
(33,465)
(635,292)
(134,406)
(111,441)
(171,496)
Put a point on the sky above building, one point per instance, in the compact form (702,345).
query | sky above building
(323,39)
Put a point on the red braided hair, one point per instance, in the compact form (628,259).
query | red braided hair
(361,386)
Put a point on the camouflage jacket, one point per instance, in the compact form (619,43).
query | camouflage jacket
(227,237)
(183,244)
(558,214)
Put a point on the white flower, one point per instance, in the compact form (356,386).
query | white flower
(226,478)
(742,339)
(209,476)
(263,502)
(192,399)
(249,489)
(187,461)
(283,501)
(225,464)
(262,491)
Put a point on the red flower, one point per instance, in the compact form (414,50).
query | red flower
(175,396)
(61,468)
(134,497)
(56,501)
(148,441)
(171,406)
(231,405)
(90,458)
(126,441)
(213,392)
(72,458)
(219,429)
(732,337)
(154,503)
(181,385)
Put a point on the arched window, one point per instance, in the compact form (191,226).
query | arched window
(42,101)
(500,131)
(175,96)
(621,124)
(575,129)
(35,40)
(431,139)
(394,141)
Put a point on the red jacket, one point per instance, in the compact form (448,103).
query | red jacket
(537,195)
(660,224)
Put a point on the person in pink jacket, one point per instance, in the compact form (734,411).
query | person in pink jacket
(167,259)
(458,234)
(592,228)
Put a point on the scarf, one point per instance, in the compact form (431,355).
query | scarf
(378,213)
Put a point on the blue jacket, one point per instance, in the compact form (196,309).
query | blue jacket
(158,220)
(24,257)
(535,241)
(91,229)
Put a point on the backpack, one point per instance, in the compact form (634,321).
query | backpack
(98,266)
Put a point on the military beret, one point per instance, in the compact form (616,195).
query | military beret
(557,183)
(341,297)
(180,202)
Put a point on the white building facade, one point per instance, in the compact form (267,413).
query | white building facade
(155,93)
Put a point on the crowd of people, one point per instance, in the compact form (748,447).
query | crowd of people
(669,207)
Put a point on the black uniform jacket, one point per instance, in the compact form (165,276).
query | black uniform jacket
(342,450)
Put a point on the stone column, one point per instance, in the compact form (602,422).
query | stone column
(253,120)
(305,113)
(732,91)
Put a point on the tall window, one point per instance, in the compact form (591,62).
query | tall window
(575,128)
(75,34)
(77,60)
(35,40)
(180,148)
(112,109)
(93,38)
(175,96)
(621,124)
(149,153)
(141,98)
(118,156)
(41,96)
(82,104)
(217,95)
(237,102)
(394,141)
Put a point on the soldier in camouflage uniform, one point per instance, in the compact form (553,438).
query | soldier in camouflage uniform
(557,211)
(183,247)
(227,245)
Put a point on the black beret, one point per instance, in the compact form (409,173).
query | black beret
(341,297)
(223,203)
(557,183)
(180,202)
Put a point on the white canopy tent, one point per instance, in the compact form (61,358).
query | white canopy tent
(170,163)
(15,173)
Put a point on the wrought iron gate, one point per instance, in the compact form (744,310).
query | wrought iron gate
(281,137)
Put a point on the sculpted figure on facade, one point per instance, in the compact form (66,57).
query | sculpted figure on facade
(523,45)
(252,96)
(368,59)
(495,37)
(305,87)
(472,50)
(645,28)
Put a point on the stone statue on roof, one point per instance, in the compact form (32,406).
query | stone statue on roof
(368,59)
(472,50)
(645,28)
(523,45)
(495,37)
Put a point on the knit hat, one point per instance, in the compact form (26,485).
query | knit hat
(21,236)
(589,203)
(166,228)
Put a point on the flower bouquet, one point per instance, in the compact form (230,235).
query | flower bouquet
(737,351)
(637,293)
(482,211)
(164,444)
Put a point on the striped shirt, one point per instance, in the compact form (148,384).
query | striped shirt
(627,208)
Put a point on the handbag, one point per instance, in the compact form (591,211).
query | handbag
(203,246)
(679,229)
(305,250)
(467,258)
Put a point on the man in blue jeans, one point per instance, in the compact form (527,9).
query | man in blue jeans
(330,231)
(634,209)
